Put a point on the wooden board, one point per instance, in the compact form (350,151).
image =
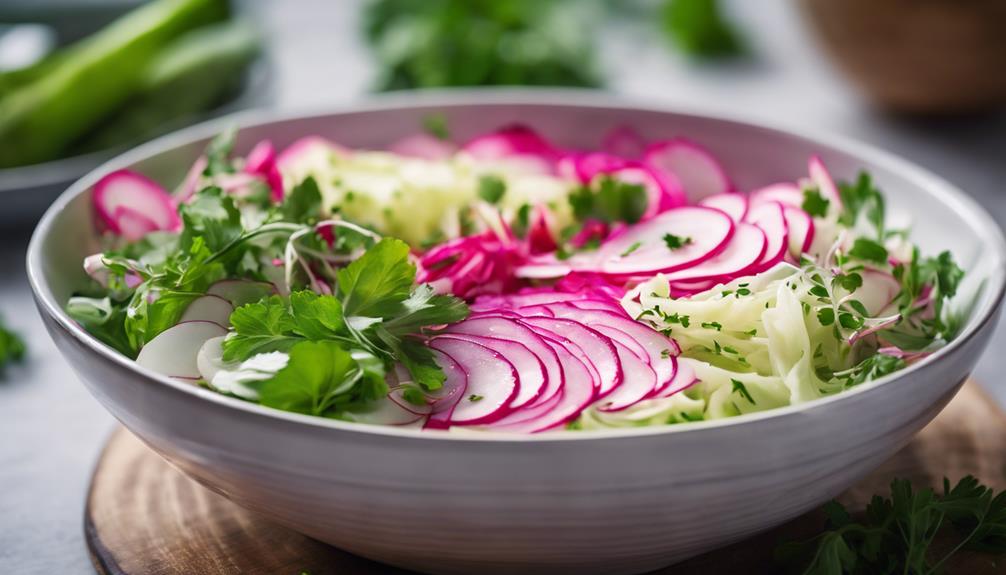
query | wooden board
(143,517)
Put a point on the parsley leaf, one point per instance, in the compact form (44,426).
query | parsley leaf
(676,242)
(436,126)
(739,387)
(491,188)
(303,203)
(814,203)
(869,250)
(609,200)
(260,327)
(378,282)
(862,200)
(212,216)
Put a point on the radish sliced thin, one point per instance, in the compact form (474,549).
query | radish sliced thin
(878,290)
(386,411)
(744,254)
(786,193)
(208,308)
(684,377)
(492,381)
(771,219)
(127,198)
(698,171)
(801,230)
(592,348)
(639,381)
(733,204)
(174,351)
(261,161)
(530,370)
(423,146)
(821,177)
(133,225)
(447,397)
(643,248)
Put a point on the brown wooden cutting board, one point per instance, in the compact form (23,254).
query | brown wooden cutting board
(143,517)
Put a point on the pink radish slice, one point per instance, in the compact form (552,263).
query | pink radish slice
(684,377)
(786,193)
(189,186)
(446,399)
(397,395)
(261,161)
(133,225)
(578,392)
(530,370)
(508,328)
(625,142)
(583,167)
(515,140)
(423,146)
(492,381)
(771,219)
(241,292)
(208,308)
(825,183)
(542,270)
(125,194)
(643,249)
(684,288)
(611,305)
(174,351)
(304,146)
(657,348)
(592,348)
(663,191)
(540,234)
(733,204)
(801,230)
(878,290)
(494,302)
(745,252)
(638,381)
(700,174)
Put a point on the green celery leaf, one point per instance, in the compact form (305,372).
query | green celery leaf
(378,282)
(303,203)
(317,374)
(260,327)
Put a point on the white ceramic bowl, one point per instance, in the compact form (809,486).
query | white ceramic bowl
(593,502)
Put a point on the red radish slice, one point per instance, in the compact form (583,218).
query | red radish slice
(174,351)
(771,219)
(592,348)
(583,167)
(663,191)
(698,171)
(447,397)
(878,290)
(639,381)
(744,254)
(133,225)
(495,302)
(825,183)
(801,230)
(423,146)
(508,328)
(540,234)
(530,370)
(643,249)
(261,161)
(305,146)
(128,198)
(190,185)
(657,348)
(208,308)
(397,395)
(241,292)
(492,381)
(625,142)
(611,305)
(516,140)
(684,377)
(679,289)
(733,204)
(577,393)
(786,193)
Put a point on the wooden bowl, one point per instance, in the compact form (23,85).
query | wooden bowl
(918,56)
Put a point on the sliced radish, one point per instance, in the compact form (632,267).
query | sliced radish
(878,290)
(508,328)
(786,193)
(663,191)
(423,146)
(261,161)
(208,308)
(733,204)
(592,348)
(241,292)
(684,377)
(771,219)
(492,381)
(449,395)
(127,202)
(174,351)
(643,247)
(386,411)
(210,357)
(821,177)
(495,302)
(625,142)
(694,167)
(638,381)
(583,167)
(801,230)
(541,232)
(514,141)
(742,255)
(577,393)
(190,184)
(607,304)
(530,369)
(306,146)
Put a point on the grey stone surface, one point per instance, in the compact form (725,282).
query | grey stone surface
(51,430)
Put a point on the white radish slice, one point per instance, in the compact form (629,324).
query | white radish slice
(208,308)
(697,170)
(447,397)
(530,370)
(492,381)
(684,378)
(241,292)
(423,146)
(578,392)
(210,357)
(643,249)
(174,351)
(592,348)
(771,219)
(639,381)
(821,177)
(745,252)
(733,204)
(508,328)
(658,348)
(878,290)
(133,225)
(801,230)
(141,198)
(786,193)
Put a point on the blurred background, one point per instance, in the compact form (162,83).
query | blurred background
(81,80)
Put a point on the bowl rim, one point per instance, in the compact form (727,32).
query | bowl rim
(985,226)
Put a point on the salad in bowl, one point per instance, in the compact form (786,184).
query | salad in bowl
(506,283)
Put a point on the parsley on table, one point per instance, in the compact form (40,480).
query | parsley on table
(896,533)
(12,347)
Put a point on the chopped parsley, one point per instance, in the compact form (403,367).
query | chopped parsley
(491,188)
(674,242)
(814,203)
(631,249)
(742,390)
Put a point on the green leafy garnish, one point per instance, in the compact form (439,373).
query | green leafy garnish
(491,188)
(609,200)
(12,347)
(378,283)
(674,242)
(436,126)
(861,200)
(303,203)
(868,250)
(739,387)
(628,251)
(814,203)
